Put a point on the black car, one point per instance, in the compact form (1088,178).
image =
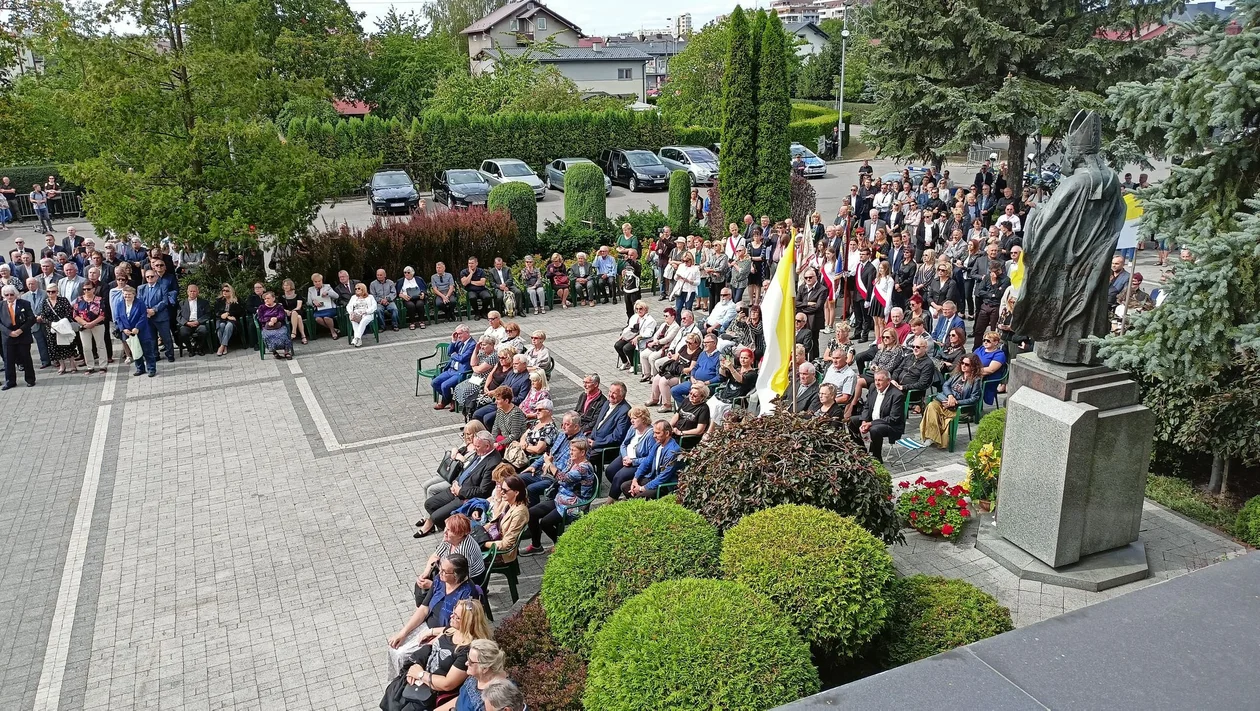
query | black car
(392,191)
(634,169)
(462,188)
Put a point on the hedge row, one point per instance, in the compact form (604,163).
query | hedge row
(22,177)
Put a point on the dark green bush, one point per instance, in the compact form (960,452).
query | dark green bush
(1247,525)
(991,430)
(584,198)
(551,678)
(827,575)
(1181,496)
(680,202)
(22,177)
(698,644)
(616,552)
(885,477)
(518,200)
(785,458)
(931,615)
(703,136)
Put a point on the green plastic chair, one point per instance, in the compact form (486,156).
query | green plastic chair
(442,353)
(488,558)
(967,415)
(510,570)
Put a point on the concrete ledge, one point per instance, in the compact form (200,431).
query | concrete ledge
(1093,573)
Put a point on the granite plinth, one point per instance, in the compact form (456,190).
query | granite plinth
(1074,461)
(1094,573)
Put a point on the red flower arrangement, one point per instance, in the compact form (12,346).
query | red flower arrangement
(933,508)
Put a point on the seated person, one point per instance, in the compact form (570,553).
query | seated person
(829,408)
(541,474)
(612,424)
(537,392)
(692,418)
(542,431)
(744,330)
(917,372)
(502,282)
(509,420)
(195,318)
(456,538)
(671,368)
(591,403)
(738,377)
(537,353)
(582,279)
(993,364)
(605,275)
(441,665)
(411,292)
(637,444)
(724,311)
(361,309)
(473,482)
(512,337)
(495,328)
(806,388)
(384,292)
(577,485)
(441,481)
(509,514)
(435,612)
(705,369)
(963,389)
(517,383)
(473,280)
(445,297)
(842,376)
(881,417)
(657,468)
(638,330)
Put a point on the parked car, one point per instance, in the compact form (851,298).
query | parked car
(814,166)
(634,169)
(462,188)
(512,170)
(554,174)
(917,174)
(700,162)
(392,191)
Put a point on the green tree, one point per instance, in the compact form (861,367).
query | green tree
(449,17)
(584,198)
(316,44)
(950,74)
(518,200)
(774,108)
(518,83)
(1199,347)
(406,63)
(692,94)
(737,176)
(680,202)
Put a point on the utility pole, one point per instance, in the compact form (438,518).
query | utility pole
(844,40)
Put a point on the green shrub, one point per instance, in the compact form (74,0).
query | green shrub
(885,477)
(827,575)
(698,644)
(703,136)
(1247,525)
(584,198)
(551,678)
(22,177)
(1181,496)
(680,202)
(518,200)
(991,430)
(931,615)
(802,110)
(785,458)
(616,552)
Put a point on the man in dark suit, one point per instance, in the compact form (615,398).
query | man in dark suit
(881,418)
(803,335)
(811,303)
(748,227)
(864,284)
(984,176)
(591,403)
(194,321)
(612,425)
(501,281)
(474,482)
(806,389)
(16,320)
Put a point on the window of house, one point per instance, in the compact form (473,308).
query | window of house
(540,24)
(625,73)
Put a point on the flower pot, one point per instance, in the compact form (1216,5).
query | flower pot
(985,505)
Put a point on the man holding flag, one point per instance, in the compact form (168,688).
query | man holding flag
(778,312)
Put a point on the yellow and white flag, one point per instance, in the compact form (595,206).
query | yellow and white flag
(778,316)
(1132,219)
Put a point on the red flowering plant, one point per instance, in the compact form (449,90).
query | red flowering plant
(934,508)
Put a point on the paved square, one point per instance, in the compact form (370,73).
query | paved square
(236,533)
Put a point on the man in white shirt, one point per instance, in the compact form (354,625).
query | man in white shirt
(721,315)
(1010,217)
(882,418)
(495,330)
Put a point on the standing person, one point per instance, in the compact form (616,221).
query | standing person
(881,304)
(16,322)
(132,318)
(631,292)
(153,295)
(864,285)
(6,214)
(58,308)
(686,281)
(741,271)
(39,202)
(89,313)
(989,301)
(35,297)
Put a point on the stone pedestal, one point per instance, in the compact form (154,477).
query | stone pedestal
(1074,463)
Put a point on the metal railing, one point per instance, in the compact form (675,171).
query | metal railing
(66,204)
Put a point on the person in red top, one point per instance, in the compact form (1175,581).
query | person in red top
(897,321)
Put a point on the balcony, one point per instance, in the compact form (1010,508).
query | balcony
(524,39)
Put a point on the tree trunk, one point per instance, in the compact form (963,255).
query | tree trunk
(1015,162)
(1225,478)
(1218,474)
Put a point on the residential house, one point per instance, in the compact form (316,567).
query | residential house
(813,38)
(660,49)
(516,25)
(615,70)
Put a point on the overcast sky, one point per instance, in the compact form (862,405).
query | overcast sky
(595,17)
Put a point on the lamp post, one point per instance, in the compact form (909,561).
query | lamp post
(844,41)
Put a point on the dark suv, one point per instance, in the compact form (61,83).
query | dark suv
(634,169)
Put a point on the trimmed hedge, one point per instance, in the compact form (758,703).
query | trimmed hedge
(551,678)
(22,177)
(680,202)
(698,644)
(584,197)
(518,200)
(703,136)
(827,575)
(1247,525)
(933,615)
(615,552)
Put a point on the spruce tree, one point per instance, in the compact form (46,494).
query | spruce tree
(737,176)
(774,111)
(1196,346)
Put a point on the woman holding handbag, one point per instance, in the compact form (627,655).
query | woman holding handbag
(434,672)
(509,514)
(57,308)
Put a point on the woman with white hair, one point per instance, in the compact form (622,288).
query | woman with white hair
(411,289)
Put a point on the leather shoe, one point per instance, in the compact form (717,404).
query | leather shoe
(420,522)
(30,385)
(6,386)
(422,534)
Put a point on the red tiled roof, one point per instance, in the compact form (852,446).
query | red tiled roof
(351,108)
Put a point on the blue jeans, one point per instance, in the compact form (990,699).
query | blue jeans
(535,487)
(737,293)
(444,383)
(149,360)
(45,220)
(225,330)
(486,414)
(392,309)
(683,302)
(162,329)
(680,391)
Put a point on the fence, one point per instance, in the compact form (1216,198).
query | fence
(66,204)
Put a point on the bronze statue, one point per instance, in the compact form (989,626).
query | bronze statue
(1068,244)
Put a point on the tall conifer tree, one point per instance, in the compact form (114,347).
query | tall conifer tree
(737,177)
(774,111)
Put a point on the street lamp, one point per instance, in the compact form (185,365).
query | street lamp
(844,41)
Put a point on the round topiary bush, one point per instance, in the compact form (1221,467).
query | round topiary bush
(615,552)
(518,200)
(584,197)
(697,644)
(933,615)
(1247,525)
(785,458)
(828,575)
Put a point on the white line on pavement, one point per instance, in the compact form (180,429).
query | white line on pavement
(111,381)
(317,414)
(294,367)
(48,695)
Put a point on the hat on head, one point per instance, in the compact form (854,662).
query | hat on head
(680,239)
